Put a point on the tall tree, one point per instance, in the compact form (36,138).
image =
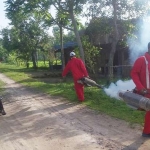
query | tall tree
(28,24)
(3,52)
(117,10)
(25,40)
(72,7)
(68,8)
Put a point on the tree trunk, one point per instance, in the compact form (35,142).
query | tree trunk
(114,42)
(77,36)
(34,59)
(44,59)
(62,47)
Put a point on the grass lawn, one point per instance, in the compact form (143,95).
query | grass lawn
(94,98)
(1,87)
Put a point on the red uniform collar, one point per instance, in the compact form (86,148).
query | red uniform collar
(147,55)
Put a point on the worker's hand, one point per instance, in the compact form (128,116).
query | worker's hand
(143,92)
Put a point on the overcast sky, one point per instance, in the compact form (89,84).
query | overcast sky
(3,20)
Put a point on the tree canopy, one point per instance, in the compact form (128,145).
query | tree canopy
(32,19)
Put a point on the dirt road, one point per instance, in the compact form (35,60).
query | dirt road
(36,121)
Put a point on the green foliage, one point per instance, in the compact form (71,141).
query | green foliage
(125,9)
(5,33)
(69,37)
(29,38)
(3,53)
(91,53)
(66,37)
(102,25)
(12,58)
(2,89)
(56,34)
(126,15)
(20,13)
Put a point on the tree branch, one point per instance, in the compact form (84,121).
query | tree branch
(51,17)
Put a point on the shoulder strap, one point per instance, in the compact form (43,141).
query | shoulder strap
(147,73)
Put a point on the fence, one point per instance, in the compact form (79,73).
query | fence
(118,71)
(122,71)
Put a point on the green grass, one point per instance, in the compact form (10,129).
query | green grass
(95,98)
(1,87)
(46,64)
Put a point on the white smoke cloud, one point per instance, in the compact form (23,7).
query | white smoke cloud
(120,85)
(139,47)
(136,49)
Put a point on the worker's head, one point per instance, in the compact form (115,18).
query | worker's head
(149,47)
(72,54)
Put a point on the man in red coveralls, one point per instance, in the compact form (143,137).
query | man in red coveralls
(78,70)
(140,74)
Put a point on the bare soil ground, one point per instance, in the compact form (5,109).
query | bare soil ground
(36,121)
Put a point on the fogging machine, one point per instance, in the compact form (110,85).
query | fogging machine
(89,82)
(135,100)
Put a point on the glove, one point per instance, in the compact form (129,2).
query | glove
(143,92)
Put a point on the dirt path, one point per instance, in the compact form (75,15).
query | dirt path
(36,121)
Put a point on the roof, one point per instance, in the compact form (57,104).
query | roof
(66,45)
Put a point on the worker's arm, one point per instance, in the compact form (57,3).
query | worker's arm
(66,70)
(83,68)
(135,73)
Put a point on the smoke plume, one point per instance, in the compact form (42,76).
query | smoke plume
(138,46)
(136,49)
(120,85)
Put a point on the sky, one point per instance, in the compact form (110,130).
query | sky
(4,21)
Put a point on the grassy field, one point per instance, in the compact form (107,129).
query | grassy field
(1,87)
(46,64)
(94,98)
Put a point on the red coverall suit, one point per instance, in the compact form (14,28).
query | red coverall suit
(138,74)
(78,70)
